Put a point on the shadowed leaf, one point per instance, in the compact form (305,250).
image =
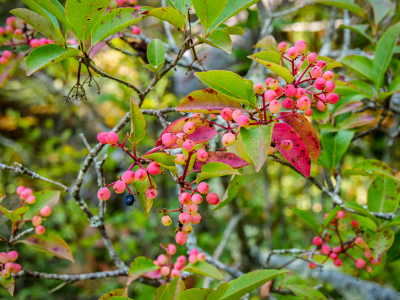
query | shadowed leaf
(141,188)
(204,268)
(379,242)
(43,198)
(140,266)
(204,293)
(8,284)
(231,191)
(228,158)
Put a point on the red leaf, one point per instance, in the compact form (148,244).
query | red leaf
(298,155)
(204,130)
(306,132)
(228,158)
(207,101)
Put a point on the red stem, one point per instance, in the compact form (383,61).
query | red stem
(187,166)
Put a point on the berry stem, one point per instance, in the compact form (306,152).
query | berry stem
(211,122)
(187,165)
(298,80)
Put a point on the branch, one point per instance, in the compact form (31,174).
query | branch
(25,232)
(229,229)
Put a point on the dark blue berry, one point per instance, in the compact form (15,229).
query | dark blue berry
(129,200)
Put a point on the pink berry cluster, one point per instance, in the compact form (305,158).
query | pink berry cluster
(342,250)
(12,28)
(8,264)
(26,196)
(34,43)
(5,57)
(169,268)
(122,3)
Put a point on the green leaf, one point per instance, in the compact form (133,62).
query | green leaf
(232,7)
(140,266)
(379,242)
(14,215)
(160,290)
(359,29)
(394,87)
(218,39)
(215,169)
(42,24)
(204,268)
(344,4)
(41,11)
(231,191)
(169,14)
(120,298)
(306,292)
(165,160)
(208,11)
(272,60)
(372,168)
(44,56)
(392,223)
(56,9)
(361,210)
(381,8)
(233,30)
(205,294)
(268,43)
(307,217)
(114,293)
(357,120)
(393,253)
(360,64)
(335,145)
(383,195)
(156,52)
(230,84)
(138,125)
(114,21)
(8,284)
(174,288)
(384,52)
(239,149)
(83,15)
(249,282)
(155,69)
(50,243)
(43,198)
(257,140)
(141,188)
(180,5)
(331,216)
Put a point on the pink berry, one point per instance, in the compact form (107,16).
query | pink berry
(153,168)
(112,137)
(360,263)
(4,61)
(175,273)
(180,159)
(128,177)
(165,271)
(17,31)
(359,241)
(187,229)
(166,220)
(17,268)
(290,90)
(192,208)
(185,218)
(300,93)
(168,139)
(103,194)
(311,265)
(9,266)
(185,198)
(34,43)
(162,259)
(328,75)
(188,145)
(1,31)
(301,46)
(271,150)
(171,249)
(279,91)
(341,214)
(236,113)
(229,139)
(274,106)
(282,46)
(194,252)
(333,255)
(119,187)
(181,259)
(259,88)
(4,257)
(226,114)
(36,221)
(212,198)
(202,155)
(243,121)
(332,98)
(193,258)
(317,241)
(189,128)
(321,106)
(337,249)
(268,80)
(136,30)
(203,188)
(303,103)
(12,255)
(140,175)
(151,194)
(20,189)
(308,112)
(374,262)
(273,84)
(367,254)
(312,58)
(197,199)
(337,262)
(325,250)
(7,54)
(31,200)
(329,86)
(196,218)
(319,83)
(368,269)
(45,211)
(292,52)
(354,223)
(269,95)
(214,116)
(5,274)
(201,257)
(40,230)
(101,137)
(286,144)
(178,266)
(9,29)
(181,238)
(26,193)
(287,103)
(316,72)
(321,63)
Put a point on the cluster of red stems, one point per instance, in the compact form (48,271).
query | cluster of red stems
(169,267)
(356,242)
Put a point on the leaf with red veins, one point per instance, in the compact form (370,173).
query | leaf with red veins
(306,132)
(207,101)
(228,158)
(204,131)
(298,155)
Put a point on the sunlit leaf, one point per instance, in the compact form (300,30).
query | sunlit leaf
(140,266)
(204,268)
(215,169)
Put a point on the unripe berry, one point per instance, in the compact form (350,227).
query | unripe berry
(287,103)
(187,229)
(165,271)
(197,199)
(181,259)
(329,86)
(274,106)
(354,223)
(166,220)
(303,103)
(171,249)
(308,112)
(185,198)
(319,83)
(290,90)
(201,155)
(228,139)
(189,128)
(340,214)
(185,218)
(4,61)
(31,200)
(136,30)
(243,121)
(181,137)
(178,266)
(140,175)
(321,106)
(162,259)
(337,249)
(119,187)
(128,177)
(367,254)
(332,98)
(212,198)
(20,189)
(45,211)
(103,194)
(40,230)
(286,144)
(301,46)
(36,221)
(192,258)
(226,114)
(4,257)
(196,218)
(268,80)
(316,72)
(17,268)
(325,250)
(168,139)
(271,150)
(151,194)
(17,31)
(259,88)
(273,84)
(236,113)
(188,145)
(360,263)
(292,52)
(269,95)
(26,193)
(12,255)
(374,262)
(5,274)
(203,188)
(1,31)
(153,168)
(282,46)
(317,241)
(311,265)
(9,266)
(7,54)
(9,29)
(359,241)
(279,91)
(312,58)
(328,75)
(368,269)
(337,262)
(321,63)
(333,255)
(192,208)
(175,273)
(201,257)
(180,159)
(181,238)
(300,93)
(112,137)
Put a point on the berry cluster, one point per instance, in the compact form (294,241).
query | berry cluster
(8,265)
(343,249)
(169,268)
(123,3)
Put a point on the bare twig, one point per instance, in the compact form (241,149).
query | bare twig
(229,229)
(25,232)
